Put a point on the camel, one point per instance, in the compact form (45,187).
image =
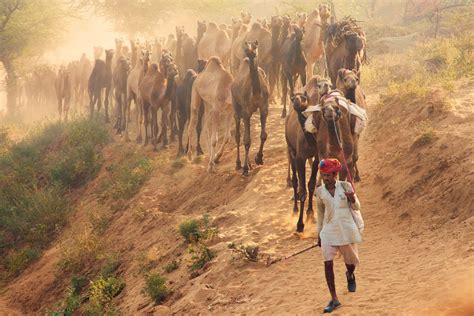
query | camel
(246,17)
(109,53)
(235,27)
(212,90)
(99,79)
(250,92)
(134,79)
(312,41)
(301,148)
(237,51)
(85,69)
(171,44)
(74,78)
(63,89)
(264,38)
(264,23)
(183,101)
(333,125)
(274,73)
(157,50)
(120,88)
(348,82)
(293,64)
(324,13)
(301,17)
(215,42)
(156,92)
(345,47)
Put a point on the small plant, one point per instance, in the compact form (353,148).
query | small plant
(200,256)
(103,290)
(155,287)
(249,252)
(19,260)
(170,267)
(190,230)
(82,248)
(427,134)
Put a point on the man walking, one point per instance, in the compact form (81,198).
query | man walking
(337,230)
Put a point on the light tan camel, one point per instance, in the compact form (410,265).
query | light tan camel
(246,17)
(258,33)
(301,19)
(135,78)
(215,42)
(237,51)
(211,87)
(63,89)
(312,41)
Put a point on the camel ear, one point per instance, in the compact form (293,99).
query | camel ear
(340,73)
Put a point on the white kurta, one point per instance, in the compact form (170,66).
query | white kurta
(336,227)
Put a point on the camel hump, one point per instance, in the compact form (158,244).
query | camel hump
(213,63)
(212,27)
(314,15)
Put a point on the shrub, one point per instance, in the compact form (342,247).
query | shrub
(20,259)
(190,230)
(200,256)
(249,252)
(170,267)
(103,290)
(156,288)
(81,249)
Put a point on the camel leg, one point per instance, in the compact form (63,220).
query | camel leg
(311,188)
(154,128)
(181,125)
(288,174)
(238,164)
(126,114)
(355,158)
(301,169)
(164,124)
(227,136)
(99,102)
(294,180)
(173,125)
(263,136)
(284,94)
(303,78)
(199,130)
(67,102)
(118,103)
(146,121)
(196,104)
(214,118)
(140,119)
(106,104)
(60,107)
(92,100)
(247,143)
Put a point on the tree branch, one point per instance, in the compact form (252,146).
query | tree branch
(9,13)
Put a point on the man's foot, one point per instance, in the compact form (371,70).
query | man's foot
(333,304)
(351,282)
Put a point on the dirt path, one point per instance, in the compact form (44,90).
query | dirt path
(400,273)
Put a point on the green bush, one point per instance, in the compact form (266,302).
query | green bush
(200,256)
(156,288)
(189,229)
(36,175)
(103,290)
(170,267)
(20,259)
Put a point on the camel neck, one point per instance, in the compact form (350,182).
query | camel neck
(108,63)
(350,95)
(297,51)
(235,33)
(256,88)
(332,133)
(169,87)
(276,40)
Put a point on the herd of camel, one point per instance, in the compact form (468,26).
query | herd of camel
(229,72)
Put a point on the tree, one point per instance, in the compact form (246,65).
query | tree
(27,28)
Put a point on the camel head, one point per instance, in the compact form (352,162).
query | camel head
(171,71)
(263,22)
(347,79)
(201,64)
(246,17)
(324,11)
(236,24)
(202,27)
(298,33)
(286,20)
(299,101)
(124,63)
(179,31)
(354,43)
(118,44)
(301,17)
(330,108)
(250,49)
(277,22)
(324,86)
(98,50)
(109,53)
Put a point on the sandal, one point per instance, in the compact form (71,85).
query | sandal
(333,304)
(351,282)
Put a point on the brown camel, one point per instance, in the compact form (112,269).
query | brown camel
(212,90)
(109,53)
(85,69)
(156,92)
(348,82)
(120,88)
(345,47)
(135,78)
(250,93)
(264,37)
(293,64)
(333,125)
(63,92)
(215,42)
(274,73)
(100,79)
(312,41)
(301,148)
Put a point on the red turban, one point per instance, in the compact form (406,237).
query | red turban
(329,165)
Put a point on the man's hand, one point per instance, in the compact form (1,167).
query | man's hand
(350,196)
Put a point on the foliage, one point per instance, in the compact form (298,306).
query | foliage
(155,287)
(249,252)
(170,267)
(36,175)
(200,255)
(193,230)
(82,248)
(427,134)
(103,290)
(20,259)
(126,178)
